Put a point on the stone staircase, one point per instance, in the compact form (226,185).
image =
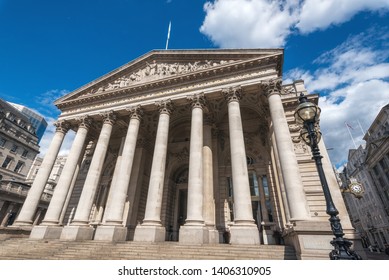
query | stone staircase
(23,249)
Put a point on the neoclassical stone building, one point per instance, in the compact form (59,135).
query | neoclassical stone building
(194,146)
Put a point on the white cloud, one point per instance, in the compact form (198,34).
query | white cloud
(355,77)
(361,104)
(46,100)
(248,23)
(319,14)
(46,107)
(267,24)
(48,136)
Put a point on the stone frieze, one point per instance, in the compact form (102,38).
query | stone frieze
(155,71)
(133,96)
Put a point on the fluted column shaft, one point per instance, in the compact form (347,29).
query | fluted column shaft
(57,201)
(94,173)
(195,176)
(122,173)
(157,175)
(240,179)
(288,161)
(30,205)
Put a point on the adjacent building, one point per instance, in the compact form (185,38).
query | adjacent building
(377,161)
(18,149)
(37,121)
(369,166)
(191,146)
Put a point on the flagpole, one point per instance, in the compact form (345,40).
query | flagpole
(168,35)
(360,126)
(349,132)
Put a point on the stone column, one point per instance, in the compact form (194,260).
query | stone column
(79,228)
(244,230)
(208,181)
(151,229)
(112,228)
(10,209)
(50,227)
(289,166)
(108,201)
(31,203)
(3,211)
(194,230)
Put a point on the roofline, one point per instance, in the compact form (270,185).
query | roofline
(280,51)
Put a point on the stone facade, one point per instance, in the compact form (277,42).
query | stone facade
(367,211)
(18,149)
(37,121)
(193,146)
(370,166)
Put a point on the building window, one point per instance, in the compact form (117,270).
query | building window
(14,148)
(25,153)
(6,162)
(2,142)
(253,184)
(18,167)
(11,117)
(267,198)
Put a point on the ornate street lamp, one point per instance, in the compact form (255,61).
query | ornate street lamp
(307,115)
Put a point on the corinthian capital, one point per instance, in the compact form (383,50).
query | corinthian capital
(62,126)
(84,122)
(271,87)
(165,106)
(136,112)
(232,93)
(108,117)
(197,100)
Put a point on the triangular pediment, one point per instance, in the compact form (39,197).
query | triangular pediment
(156,67)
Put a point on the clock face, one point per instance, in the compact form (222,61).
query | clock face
(356,188)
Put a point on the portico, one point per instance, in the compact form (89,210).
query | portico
(190,146)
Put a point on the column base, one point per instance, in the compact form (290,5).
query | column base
(46,232)
(77,233)
(20,224)
(213,235)
(196,234)
(268,234)
(149,233)
(244,235)
(311,240)
(111,233)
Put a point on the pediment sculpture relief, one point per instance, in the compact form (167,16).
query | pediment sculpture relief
(154,71)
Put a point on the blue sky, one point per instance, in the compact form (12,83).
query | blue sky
(339,47)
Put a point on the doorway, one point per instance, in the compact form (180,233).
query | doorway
(181,205)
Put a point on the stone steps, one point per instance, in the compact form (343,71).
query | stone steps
(98,250)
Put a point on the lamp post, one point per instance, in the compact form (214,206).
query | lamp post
(307,115)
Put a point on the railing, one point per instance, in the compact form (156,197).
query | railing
(20,189)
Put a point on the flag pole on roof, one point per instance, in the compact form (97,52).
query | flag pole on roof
(168,35)
(349,132)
